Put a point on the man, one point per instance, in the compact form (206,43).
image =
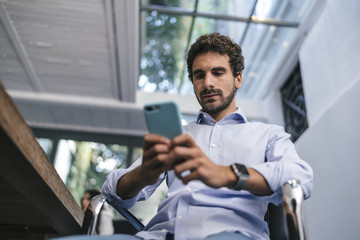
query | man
(224,171)
(214,200)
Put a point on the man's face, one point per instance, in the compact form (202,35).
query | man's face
(85,201)
(214,83)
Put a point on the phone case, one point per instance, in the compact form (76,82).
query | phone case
(164,119)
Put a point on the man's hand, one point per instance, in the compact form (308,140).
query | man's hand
(189,163)
(156,150)
(187,157)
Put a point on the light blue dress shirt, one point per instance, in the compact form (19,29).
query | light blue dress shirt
(194,211)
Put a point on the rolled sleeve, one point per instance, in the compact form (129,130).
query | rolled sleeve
(109,187)
(283,164)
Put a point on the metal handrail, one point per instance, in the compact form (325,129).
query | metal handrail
(294,211)
(92,214)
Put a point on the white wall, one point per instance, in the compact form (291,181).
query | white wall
(330,64)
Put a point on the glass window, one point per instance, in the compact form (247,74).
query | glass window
(292,95)
(290,10)
(136,154)
(263,46)
(46,144)
(163,44)
(264,29)
(185,4)
(83,165)
(236,8)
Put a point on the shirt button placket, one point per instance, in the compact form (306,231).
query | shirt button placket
(181,214)
(215,142)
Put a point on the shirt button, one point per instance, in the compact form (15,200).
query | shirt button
(213,145)
(188,189)
(218,126)
(163,231)
(179,217)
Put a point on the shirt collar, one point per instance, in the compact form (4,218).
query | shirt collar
(235,118)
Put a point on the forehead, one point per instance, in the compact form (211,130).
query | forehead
(87,195)
(209,60)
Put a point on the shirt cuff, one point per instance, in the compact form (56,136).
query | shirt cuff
(109,189)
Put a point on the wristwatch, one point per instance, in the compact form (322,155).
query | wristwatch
(242,176)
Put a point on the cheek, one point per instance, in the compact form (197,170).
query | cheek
(228,87)
(197,87)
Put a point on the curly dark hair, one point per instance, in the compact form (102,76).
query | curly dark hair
(215,42)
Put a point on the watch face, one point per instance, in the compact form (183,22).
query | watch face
(242,169)
(242,175)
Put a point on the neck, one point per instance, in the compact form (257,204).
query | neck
(217,116)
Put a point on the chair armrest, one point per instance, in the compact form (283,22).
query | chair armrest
(93,211)
(293,199)
(92,214)
(126,214)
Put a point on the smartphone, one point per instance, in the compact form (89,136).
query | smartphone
(164,119)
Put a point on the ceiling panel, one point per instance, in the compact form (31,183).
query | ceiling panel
(66,42)
(12,73)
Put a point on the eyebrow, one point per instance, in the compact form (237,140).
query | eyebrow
(197,71)
(219,69)
(213,69)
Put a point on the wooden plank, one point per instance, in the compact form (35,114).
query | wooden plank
(28,176)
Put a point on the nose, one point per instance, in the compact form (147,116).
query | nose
(209,81)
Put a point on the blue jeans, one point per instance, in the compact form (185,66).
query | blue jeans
(218,236)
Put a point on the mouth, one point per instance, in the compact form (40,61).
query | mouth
(209,96)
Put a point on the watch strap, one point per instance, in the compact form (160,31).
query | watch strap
(242,175)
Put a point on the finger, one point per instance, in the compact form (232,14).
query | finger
(152,139)
(180,154)
(183,140)
(183,169)
(157,161)
(192,175)
(151,174)
(155,150)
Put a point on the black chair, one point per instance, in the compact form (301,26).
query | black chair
(285,221)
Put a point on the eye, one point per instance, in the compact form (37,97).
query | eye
(218,73)
(199,76)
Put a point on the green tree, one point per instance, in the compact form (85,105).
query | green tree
(164,46)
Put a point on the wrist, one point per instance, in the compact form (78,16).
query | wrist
(232,178)
(242,176)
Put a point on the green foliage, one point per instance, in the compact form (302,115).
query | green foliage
(165,39)
(80,161)
(91,163)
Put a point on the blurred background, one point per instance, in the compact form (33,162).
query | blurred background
(81,71)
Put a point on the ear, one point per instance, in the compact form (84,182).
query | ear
(238,80)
